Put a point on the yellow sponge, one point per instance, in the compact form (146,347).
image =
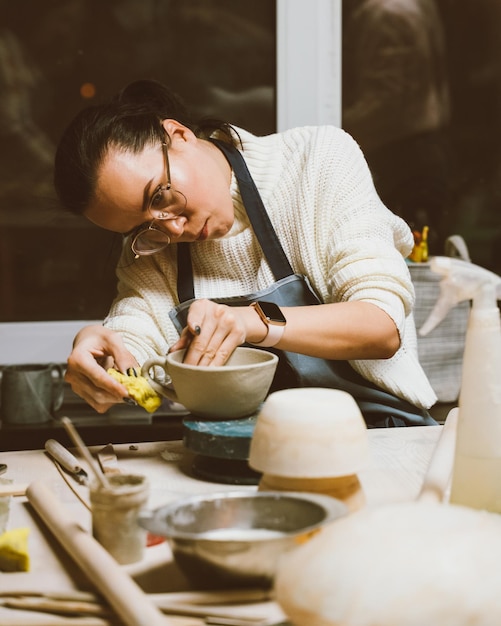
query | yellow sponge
(14,556)
(139,389)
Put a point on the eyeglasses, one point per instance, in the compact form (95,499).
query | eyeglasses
(149,239)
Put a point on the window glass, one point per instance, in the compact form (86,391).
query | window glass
(421,87)
(57,56)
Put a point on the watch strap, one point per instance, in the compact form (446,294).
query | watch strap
(272,337)
(274,334)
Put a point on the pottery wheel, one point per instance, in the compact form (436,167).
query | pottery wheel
(221,449)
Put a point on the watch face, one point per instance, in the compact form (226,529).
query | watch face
(272,312)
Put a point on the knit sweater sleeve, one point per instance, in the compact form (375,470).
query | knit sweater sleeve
(352,246)
(334,227)
(140,311)
(367,243)
(365,261)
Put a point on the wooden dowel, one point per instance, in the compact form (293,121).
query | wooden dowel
(86,609)
(60,607)
(217,596)
(438,473)
(72,595)
(48,620)
(122,593)
(194,610)
(220,596)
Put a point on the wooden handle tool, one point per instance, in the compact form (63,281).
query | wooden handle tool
(65,458)
(122,593)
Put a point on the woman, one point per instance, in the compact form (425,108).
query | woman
(138,166)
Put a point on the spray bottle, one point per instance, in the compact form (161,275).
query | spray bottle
(476,476)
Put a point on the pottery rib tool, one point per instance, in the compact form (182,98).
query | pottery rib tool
(108,460)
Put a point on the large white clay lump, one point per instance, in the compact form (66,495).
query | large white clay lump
(411,564)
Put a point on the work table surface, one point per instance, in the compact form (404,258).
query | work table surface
(398,460)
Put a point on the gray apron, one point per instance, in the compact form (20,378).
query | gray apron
(379,408)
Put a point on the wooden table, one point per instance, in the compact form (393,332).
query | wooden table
(398,460)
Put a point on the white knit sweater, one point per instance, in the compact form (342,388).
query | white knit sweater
(319,194)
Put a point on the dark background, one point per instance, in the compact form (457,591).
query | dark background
(218,54)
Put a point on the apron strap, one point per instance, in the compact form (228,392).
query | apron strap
(185,286)
(258,217)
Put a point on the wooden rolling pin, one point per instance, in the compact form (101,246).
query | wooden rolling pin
(438,473)
(122,593)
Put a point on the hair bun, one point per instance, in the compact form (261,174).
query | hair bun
(155,97)
(139,91)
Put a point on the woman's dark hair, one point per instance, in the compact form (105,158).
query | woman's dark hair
(129,121)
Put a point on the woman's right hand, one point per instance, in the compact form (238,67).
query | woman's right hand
(95,349)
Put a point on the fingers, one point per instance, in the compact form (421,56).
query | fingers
(91,382)
(120,358)
(212,334)
(96,349)
(183,341)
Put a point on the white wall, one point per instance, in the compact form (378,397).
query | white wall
(37,342)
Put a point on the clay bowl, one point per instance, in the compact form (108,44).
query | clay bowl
(311,440)
(233,390)
(309,433)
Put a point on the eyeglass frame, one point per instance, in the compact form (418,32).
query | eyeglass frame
(151,226)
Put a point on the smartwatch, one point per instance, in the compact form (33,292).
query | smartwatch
(274,319)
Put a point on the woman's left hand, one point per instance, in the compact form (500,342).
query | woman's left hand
(212,333)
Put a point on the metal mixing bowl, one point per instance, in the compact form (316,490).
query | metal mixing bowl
(236,538)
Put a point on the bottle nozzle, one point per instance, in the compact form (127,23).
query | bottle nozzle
(461,280)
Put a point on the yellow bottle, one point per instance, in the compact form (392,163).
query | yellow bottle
(424,245)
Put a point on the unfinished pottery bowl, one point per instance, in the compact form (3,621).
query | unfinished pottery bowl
(233,390)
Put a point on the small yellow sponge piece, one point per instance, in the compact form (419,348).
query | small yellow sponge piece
(139,390)
(14,556)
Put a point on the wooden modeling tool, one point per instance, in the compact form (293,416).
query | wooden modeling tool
(77,440)
(66,459)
